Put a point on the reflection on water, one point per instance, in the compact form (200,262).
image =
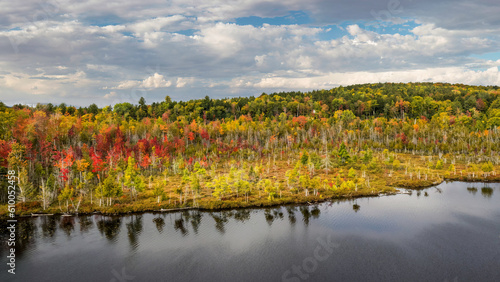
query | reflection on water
(242,215)
(179,225)
(356,207)
(134,229)
(26,236)
(86,223)
(487,192)
(48,225)
(160,223)
(220,220)
(291,214)
(472,190)
(196,221)
(109,226)
(397,231)
(67,224)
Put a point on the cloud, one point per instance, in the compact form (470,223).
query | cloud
(110,95)
(152,82)
(126,84)
(44,84)
(67,49)
(183,81)
(171,23)
(156,81)
(490,76)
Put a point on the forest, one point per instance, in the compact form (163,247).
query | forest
(279,148)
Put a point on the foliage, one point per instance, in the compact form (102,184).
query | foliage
(218,150)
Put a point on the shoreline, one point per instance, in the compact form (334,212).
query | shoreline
(283,202)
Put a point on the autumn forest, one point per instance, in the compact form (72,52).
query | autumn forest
(288,147)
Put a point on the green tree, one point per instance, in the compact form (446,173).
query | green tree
(270,189)
(352,173)
(451,168)
(439,164)
(487,168)
(26,188)
(111,188)
(304,158)
(158,191)
(396,164)
(347,116)
(132,178)
(65,196)
(343,154)
(220,187)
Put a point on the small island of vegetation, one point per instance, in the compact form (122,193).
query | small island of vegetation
(289,147)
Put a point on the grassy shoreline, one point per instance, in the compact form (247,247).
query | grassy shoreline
(86,209)
(387,172)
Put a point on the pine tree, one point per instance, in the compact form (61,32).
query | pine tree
(343,154)
(132,178)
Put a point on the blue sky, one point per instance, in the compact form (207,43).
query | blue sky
(117,51)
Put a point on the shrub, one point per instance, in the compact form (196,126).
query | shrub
(396,164)
(439,164)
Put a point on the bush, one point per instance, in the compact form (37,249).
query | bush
(439,164)
(396,164)
(374,165)
(351,173)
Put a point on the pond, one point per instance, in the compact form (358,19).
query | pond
(450,232)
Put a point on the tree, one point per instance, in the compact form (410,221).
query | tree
(343,154)
(304,183)
(158,191)
(195,186)
(132,178)
(352,173)
(111,188)
(65,196)
(270,189)
(451,168)
(26,189)
(245,187)
(17,156)
(396,164)
(439,164)
(348,185)
(241,182)
(220,186)
(487,168)
(292,176)
(44,195)
(304,158)
(315,184)
(326,163)
(93,109)
(347,116)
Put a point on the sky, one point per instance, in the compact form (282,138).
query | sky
(109,52)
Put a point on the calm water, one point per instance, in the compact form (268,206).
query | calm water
(450,234)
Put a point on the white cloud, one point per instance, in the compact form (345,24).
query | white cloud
(490,76)
(61,50)
(128,84)
(110,95)
(42,84)
(183,81)
(156,81)
(171,23)
(152,82)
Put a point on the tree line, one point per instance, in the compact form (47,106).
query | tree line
(64,155)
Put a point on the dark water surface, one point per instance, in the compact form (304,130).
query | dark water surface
(450,234)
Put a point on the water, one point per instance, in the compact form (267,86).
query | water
(452,234)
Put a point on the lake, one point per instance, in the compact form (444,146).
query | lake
(450,232)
